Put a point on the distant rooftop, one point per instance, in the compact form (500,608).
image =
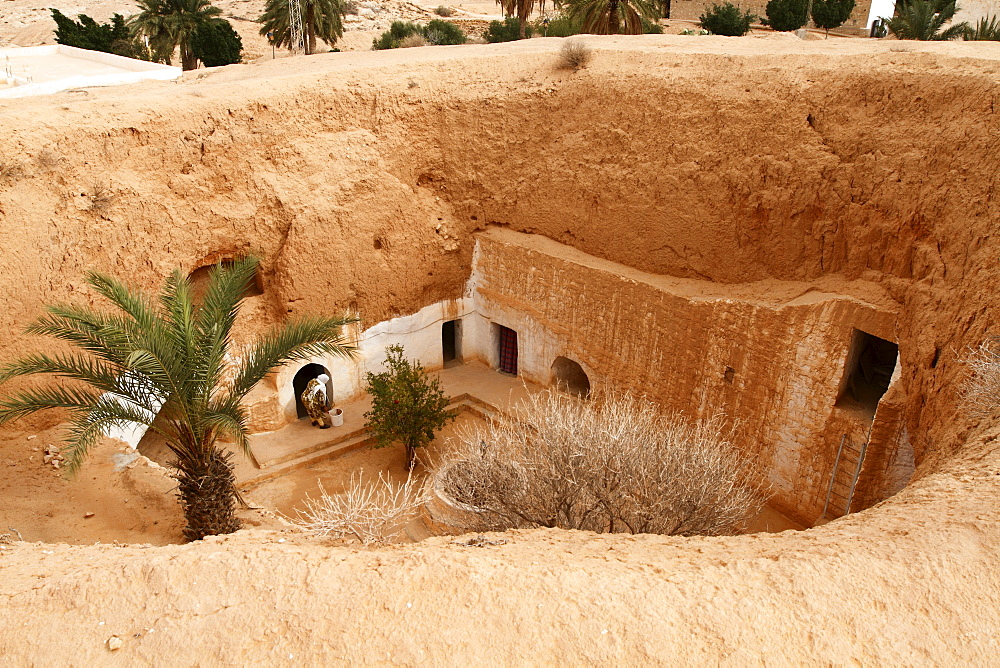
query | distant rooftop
(43,70)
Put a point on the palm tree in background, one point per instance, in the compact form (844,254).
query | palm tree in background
(924,20)
(161,361)
(169,24)
(321,19)
(521,9)
(613,17)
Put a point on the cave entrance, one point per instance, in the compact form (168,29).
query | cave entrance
(506,350)
(868,371)
(302,378)
(570,377)
(200,276)
(451,342)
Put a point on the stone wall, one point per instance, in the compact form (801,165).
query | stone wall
(770,357)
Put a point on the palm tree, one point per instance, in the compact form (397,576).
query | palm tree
(170,24)
(613,17)
(161,361)
(987,28)
(924,20)
(321,19)
(521,9)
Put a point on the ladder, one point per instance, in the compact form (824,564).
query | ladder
(846,469)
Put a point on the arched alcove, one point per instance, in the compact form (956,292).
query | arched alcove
(199,280)
(302,378)
(570,377)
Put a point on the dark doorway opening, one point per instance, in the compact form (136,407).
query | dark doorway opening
(507,350)
(869,368)
(451,339)
(302,378)
(570,377)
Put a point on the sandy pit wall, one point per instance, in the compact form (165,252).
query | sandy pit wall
(719,160)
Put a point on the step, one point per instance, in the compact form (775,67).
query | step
(331,451)
(323,445)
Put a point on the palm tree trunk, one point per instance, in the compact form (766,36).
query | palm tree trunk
(188,60)
(310,36)
(613,28)
(207,490)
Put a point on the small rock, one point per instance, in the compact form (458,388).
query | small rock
(11,462)
(367,13)
(56,463)
(86,515)
(47,459)
(33,437)
(114,642)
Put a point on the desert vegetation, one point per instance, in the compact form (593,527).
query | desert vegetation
(982,391)
(403,34)
(321,20)
(925,20)
(162,362)
(615,464)
(785,15)
(726,19)
(373,512)
(408,406)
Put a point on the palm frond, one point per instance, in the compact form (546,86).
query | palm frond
(27,402)
(76,367)
(226,287)
(231,418)
(297,340)
(134,303)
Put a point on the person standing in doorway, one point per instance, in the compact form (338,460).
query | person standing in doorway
(315,400)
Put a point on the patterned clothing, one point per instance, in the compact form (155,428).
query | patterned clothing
(314,399)
(508,350)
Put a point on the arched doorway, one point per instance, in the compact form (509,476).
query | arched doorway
(302,378)
(570,377)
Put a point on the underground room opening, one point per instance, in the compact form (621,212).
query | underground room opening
(302,378)
(868,372)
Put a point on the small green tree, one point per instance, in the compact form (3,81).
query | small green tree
(397,32)
(216,43)
(86,33)
(507,30)
(830,14)
(726,19)
(439,33)
(787,15)
(407,405)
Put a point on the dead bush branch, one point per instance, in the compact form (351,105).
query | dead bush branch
(373,512)
(611,465)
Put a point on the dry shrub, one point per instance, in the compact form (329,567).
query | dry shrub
(373,512)
(614,465)
(101,198)
(982,393)
(10,171)
(412,40)
(48,159)
(573,55)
